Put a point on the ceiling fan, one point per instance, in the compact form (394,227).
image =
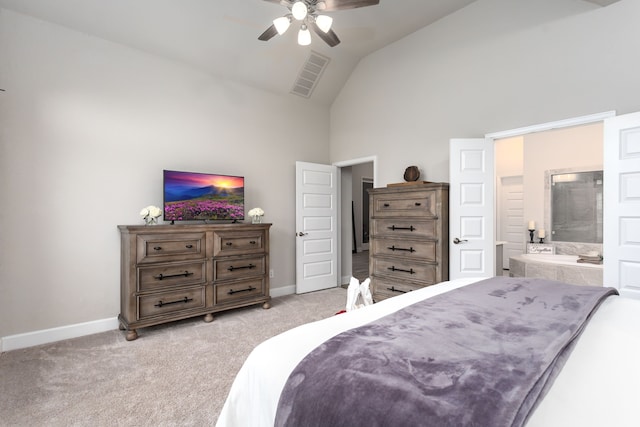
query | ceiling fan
(306,12)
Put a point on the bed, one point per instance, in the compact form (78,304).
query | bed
(596,385)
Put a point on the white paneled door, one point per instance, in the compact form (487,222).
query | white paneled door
(471,208)
(316,227)
(621,246)
(510,224)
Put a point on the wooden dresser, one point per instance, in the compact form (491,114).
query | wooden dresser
(409,237)
(171,272)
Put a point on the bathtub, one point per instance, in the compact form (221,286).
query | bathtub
(558,259)
(564,268)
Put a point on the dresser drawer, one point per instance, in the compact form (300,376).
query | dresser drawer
(409,249)
(238,242)
(416,203)
(170,247)
(157,276)
(404,228)
(382,288)
(238,268)
(238,291)
(171,302)
(404,270)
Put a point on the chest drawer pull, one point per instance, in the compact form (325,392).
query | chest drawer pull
(394,228)
(418,204)
(232,268)
(393,289)
(162,276)
(393,248)
(393,268)
(249,289)
(189,246)
(183,300)
(229,243)
(253,242)
(157,248)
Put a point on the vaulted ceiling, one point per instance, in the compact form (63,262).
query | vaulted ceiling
(220,37)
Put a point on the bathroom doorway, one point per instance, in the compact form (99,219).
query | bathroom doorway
(527,158)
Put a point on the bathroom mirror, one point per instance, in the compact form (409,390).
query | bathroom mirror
(576,207)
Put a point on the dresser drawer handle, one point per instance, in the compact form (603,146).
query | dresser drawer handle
(393,248)
(386,205)
(249,289)
(157,248)
(393,268)
(170,276)
(229,243)
(418,204)
(253,242)
(232,268)
(183,301)
(393,289)
(394,228)
(189,246)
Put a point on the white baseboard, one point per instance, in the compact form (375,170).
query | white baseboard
(30,339)
(45,336)
(282,291)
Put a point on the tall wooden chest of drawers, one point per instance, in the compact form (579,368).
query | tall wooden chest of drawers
(408,237)
(172,272)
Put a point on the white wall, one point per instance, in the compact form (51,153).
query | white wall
(493,66)
(86,128)
(509,154)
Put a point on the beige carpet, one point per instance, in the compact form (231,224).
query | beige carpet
(176,374)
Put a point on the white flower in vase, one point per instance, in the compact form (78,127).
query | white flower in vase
(256,215)
(150,214)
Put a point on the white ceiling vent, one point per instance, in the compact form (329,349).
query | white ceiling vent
(310,74)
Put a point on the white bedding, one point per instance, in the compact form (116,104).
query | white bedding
(597,386)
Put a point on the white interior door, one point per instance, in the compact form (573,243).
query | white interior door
(621,245)
(316,227)
(471,208)
(511,218)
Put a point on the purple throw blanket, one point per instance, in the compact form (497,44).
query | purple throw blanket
(481,355)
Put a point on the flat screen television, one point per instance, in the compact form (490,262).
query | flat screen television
(193,196)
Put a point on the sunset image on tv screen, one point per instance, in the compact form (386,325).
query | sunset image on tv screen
(201,196)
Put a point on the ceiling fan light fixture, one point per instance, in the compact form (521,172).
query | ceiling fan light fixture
(282,24)
(299,10)
(304,36)
(324,22)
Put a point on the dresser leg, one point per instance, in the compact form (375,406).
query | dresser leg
(208,317)
(266,305)
(131,335)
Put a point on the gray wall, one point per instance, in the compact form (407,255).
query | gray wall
(87,126)
(493,66)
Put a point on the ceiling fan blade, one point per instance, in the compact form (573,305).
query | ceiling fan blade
(282,2)
(330,37)
(330,5)
(268,33)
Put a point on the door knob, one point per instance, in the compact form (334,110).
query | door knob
(457,241)
(302,234)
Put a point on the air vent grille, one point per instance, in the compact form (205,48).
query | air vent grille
(310,74)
